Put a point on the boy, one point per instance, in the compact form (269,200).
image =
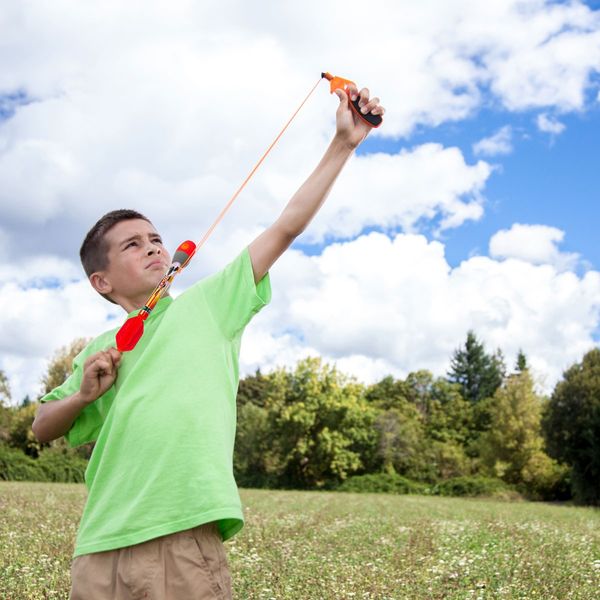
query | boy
(161,493)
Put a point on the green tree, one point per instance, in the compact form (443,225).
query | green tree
(478,373)
(258,461)
(251,464)
(571,424)
(6,411)
(521,364)
(253,388)
(21,435)
(387,393)
(4,389)
(423,427)
(401,438)
(60,365)
(513,448)
(324,426)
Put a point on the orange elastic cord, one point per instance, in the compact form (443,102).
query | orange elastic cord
(236,194)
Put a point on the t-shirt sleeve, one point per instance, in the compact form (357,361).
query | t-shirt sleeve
(233,297)
(88,423)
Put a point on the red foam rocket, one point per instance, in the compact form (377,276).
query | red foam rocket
(131,331)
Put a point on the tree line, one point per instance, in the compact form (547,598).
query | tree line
(314,427)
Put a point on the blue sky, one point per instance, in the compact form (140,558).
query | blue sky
(87,126)
(549,179)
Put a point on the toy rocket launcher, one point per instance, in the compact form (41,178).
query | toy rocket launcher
(339,83)
(132,330)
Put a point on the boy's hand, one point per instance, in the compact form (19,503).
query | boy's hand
(350,128)
(99,373)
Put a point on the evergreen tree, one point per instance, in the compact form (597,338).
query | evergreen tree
(521,364)
(478,374)
(572,426)
(499,364)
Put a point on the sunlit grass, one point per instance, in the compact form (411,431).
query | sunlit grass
(304,545)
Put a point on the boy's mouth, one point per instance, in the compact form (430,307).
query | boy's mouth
(155,263)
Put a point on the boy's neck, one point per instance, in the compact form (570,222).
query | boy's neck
(134,304)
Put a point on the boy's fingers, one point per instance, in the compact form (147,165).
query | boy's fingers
(114,354)
(369,106)
(102,365)
(364,97)
(342,96)
(352,91)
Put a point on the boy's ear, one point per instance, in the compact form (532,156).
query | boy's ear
(100,283)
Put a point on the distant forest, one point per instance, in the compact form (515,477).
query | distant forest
(315,427)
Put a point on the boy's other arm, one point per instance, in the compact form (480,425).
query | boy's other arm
(55,418)
(306,202)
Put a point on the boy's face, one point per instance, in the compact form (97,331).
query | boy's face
(137,261)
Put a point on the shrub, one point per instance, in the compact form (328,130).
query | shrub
(390,483)
(472,486)
(64,467)
(15,465)
(52,465)
(545,479)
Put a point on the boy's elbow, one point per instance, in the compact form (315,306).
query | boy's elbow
(35,428)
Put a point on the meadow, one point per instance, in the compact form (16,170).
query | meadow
(333,545)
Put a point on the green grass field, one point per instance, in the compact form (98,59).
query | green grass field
(306,545)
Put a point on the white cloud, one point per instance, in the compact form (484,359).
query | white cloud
(374,305)
(537,244)
(178,106)
(165,107)
(378,305)
(499,143)
(396,191)
(549,124)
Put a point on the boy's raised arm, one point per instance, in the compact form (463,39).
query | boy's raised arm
(305,203)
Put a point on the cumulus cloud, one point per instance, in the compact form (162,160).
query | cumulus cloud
(499,143)
(176,109)
(374,305)
(380,305)
(397,190)
(171,115)
(537,244)
(549,124)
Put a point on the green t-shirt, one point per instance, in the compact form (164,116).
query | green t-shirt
(165,431)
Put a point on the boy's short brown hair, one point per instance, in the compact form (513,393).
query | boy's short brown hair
(94,250)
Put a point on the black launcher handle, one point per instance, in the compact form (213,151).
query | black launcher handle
(370,119)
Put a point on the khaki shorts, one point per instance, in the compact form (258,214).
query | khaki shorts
(186,565)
